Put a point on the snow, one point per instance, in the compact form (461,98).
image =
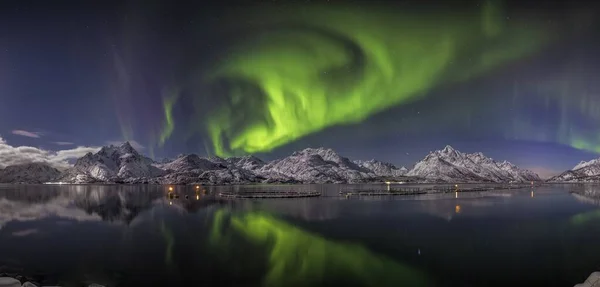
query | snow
(110,164)
(585,171)
(123,163)
(315,166)
(591,281)
(583,164)
(451,165)
(383,169)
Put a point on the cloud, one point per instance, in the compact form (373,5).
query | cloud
(64,155)
(26,133)
(62,207)
(11,155)
(63,143)
(134,144)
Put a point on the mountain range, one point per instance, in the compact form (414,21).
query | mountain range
(123,164)
(450,165)
(585,171)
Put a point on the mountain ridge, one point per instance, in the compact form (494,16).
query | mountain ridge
(123,164)
(451,165)
(584,171)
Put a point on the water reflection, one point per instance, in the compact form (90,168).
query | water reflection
(139,236)
(300,258)
(169,238)
(117,204)
(588,194)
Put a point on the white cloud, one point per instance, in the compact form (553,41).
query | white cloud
(136,145)
(63,143)
(61,207)
(26,133)
(11,155)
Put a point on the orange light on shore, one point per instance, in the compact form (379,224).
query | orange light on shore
(197,187)
(170,188)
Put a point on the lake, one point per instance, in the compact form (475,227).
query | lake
(119,235)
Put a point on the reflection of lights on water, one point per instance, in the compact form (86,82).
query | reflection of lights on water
(197,197)
(457,209)
(456,194)
(532,194)
(170,203)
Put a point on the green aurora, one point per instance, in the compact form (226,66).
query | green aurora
(586,218)
(169,124)
(298,71)
(300,258)
(167,234)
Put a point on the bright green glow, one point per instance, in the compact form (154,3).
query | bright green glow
(582,144)
(587,217)
(319,66)
(300,258)
(170,239)
(169,124)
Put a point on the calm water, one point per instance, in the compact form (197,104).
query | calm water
(136,236)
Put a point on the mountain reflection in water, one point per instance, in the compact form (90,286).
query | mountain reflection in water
(135,235)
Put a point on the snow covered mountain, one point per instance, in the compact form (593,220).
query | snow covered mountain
(192,169)
(111,164)
(585,171)
(518,174)
(450,165)
(123,164)
(189,163)
(28,173)
(319,165)
(246,162)
(382,169)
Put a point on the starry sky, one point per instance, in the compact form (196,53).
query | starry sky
(516,80)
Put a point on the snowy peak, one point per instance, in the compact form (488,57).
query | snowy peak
(452,165)
(247,162)
(111,163)
(584,164)
(122,163)
(326,154)
(585,171)
(320,165)
(450,151)
(191,162)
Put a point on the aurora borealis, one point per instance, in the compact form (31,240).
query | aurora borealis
(373,79)
(323,66)
(300,258)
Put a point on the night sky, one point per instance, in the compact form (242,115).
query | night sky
(516,80)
